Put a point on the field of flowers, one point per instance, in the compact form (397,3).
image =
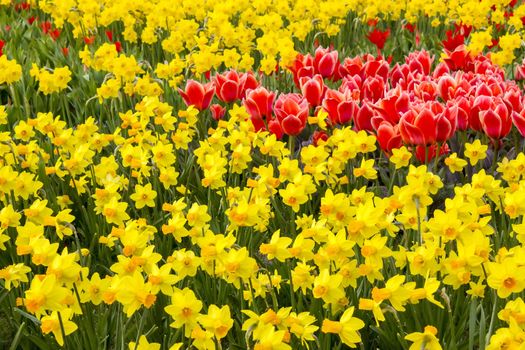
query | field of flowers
(265,174)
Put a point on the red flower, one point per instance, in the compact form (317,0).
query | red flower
(109,35)
(2,44)
(291,111)
(363,117)
(430,124)
(313,89)
(372,22)
(373,88)
(319,136)
(446,87)
(392,107)
(231,86)
(197,94)
(54,34)
(388,136)
(65,51)
(341,107)
(459,59)
(217,111)
(518,120)
(496,122)
(31,20)
(46,26)
(351,66)
(420,62)
(378,38)
(118,46)
(453,40)
(326,62)
(410,27)
(303,66)
(275,128)
(259,104)
(519,73)
(89,40)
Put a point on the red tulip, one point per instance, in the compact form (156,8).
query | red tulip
(363,117)
(118,46)
(375,67)
(519,73)
(319,136)
(89,40)
(259,103)
(303,66)
(46,26)
(326,62)
(351,66)
(518,120)
(419,62)
(446,123)
(426,90)
(231,86)
(378,38)
(373,88)
(392,107)
(400,76)
(291,111)
(352,83)
(54,34)
(217,111)
(388,136)
(275,128)
(478,105)
(313,89)
(496,122)
(109,35)
(459,59)
(453,40)
(513,98)
(446,87)
(197,94)
(463,111)
(418,128)
(341,107)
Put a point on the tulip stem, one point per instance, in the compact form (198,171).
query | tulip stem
(494,157)
(291,146)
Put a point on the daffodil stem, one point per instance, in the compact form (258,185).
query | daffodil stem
(492,316)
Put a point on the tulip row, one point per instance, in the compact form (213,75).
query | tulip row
(410,103)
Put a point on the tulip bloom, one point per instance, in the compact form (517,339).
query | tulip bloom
(326,62)
(497,122)
(303,66)
(418,128)
(419,62)
(313,89)
(341,107)
(217,111)
(291,111)
(518,120)
(388,136)
(378,38)
(197,94)
(259,104)
(231,86)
